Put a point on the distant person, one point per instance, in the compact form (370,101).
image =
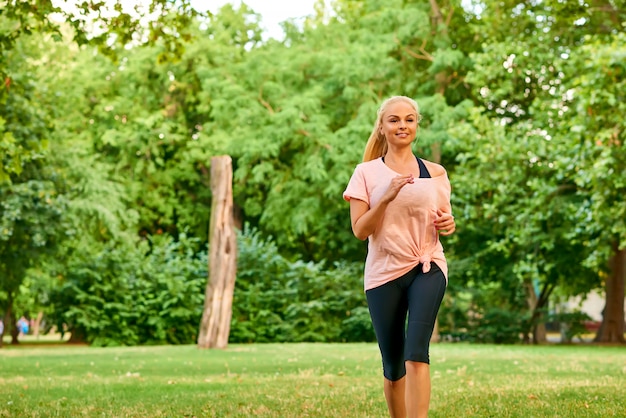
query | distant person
(22,325)
(401,204)
(1,327)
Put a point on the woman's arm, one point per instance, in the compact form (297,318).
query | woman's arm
(445,221)
(365,219)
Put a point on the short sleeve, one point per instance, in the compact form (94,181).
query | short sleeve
(357,187)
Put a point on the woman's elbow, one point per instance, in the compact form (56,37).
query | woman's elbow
(362,235)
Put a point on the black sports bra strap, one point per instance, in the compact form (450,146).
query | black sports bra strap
(424,173)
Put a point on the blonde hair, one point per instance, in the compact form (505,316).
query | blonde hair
(376,146)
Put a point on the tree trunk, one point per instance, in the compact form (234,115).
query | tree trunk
(15,331)
(216,317)
(536,303)
(77,336)
(10,321)
(540,335)
(37,324)
(612,328)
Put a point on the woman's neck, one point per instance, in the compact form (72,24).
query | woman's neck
(402,162)
(401,156)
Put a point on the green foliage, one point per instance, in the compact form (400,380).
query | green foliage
(525,185)
(98,152)
(498,326)
(151,293)
(595,159)
(31,224)
(277,299)
(572,324)
(24,125)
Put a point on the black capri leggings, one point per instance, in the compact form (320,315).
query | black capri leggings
(418,293)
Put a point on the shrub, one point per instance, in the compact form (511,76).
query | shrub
(151,293)
(277,299)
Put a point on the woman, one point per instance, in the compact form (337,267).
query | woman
(401,204)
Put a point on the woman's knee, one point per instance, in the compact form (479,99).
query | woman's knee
(413,367)
(394,370)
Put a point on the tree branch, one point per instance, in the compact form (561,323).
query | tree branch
(423,55)
(264,103)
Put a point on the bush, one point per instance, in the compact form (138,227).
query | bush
(498,326)
(358,326)
(151,293)
(571,324)
(277,299)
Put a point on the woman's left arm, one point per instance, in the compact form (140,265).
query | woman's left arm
(444,223)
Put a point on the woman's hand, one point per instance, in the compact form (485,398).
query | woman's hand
(445,223)
(365,219)
(395,185)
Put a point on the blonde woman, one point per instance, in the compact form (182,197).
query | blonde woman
(401,204)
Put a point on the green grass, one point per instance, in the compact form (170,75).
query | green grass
(306,380)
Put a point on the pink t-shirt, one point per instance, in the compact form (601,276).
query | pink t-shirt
(406,235)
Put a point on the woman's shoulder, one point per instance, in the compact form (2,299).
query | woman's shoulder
(370,165)
(435,169)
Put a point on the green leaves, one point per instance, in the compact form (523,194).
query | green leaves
(94,151)
(277,299)
(120,294)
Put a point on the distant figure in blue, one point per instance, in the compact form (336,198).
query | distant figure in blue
(22,325)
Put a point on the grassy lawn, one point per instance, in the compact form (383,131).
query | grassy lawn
(306,380)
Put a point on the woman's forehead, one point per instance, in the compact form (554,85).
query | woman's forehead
(399,109)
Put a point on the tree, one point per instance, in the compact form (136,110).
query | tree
(217,314)
(119,28)
(597,153)
(33,204)
(31,208)
(534,197)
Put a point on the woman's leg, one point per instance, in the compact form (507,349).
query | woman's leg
(388,309)
(394,395)
(417,396)
(424,298)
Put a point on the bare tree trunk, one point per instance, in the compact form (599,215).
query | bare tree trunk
(37,324)
(612,328)
(215,324)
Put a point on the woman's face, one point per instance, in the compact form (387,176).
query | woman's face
(399,123)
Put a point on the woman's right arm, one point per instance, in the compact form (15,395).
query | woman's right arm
(365,219)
